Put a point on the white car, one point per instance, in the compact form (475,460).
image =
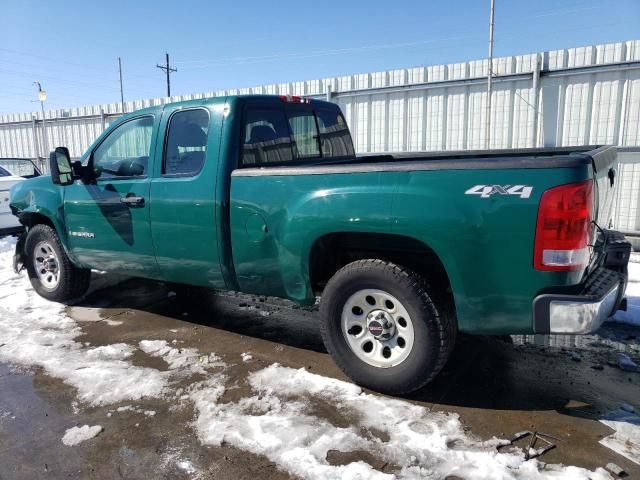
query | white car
(12,171)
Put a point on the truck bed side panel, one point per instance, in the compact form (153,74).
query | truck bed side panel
(485,244)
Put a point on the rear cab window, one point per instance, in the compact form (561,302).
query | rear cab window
(283,134)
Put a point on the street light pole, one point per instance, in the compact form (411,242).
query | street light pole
(489,78)
(42,96)
(121,90)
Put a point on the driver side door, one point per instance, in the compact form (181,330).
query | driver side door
(108,220)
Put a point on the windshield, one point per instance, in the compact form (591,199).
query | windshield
(4,173)
(19,167)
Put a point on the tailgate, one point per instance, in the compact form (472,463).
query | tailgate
(605,166)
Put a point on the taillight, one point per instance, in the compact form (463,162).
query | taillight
(563,231)
(294,99)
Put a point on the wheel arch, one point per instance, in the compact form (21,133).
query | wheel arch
(332,251)
(31,218)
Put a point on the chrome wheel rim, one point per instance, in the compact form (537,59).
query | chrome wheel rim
(47,265)
(377,327)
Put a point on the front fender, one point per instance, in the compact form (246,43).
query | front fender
(36,198)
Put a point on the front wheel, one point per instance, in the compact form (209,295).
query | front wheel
(383,329)
(50,271)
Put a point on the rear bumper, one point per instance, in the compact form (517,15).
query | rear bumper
(596,299)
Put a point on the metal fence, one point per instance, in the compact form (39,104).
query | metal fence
(626,216)
(575,96)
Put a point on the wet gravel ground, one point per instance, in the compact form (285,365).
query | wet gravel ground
(498,386)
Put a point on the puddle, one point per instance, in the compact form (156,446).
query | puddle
(31,432)
(95,314)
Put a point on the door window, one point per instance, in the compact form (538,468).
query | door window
(186,144)
(125,152)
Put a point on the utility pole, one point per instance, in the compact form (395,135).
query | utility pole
(168,70)
(121,90)
(42,96)
(489,77)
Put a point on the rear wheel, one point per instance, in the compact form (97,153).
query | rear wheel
(383,329)
(50,271)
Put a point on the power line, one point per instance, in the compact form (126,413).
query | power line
(55,60)
(58,79)
(319,53)
(168,71)
(562,12)
(205,63)
(21,94)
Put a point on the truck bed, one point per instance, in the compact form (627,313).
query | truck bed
(561,157)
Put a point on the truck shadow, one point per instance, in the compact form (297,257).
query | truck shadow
(496,373)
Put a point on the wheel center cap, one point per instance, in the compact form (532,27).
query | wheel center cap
(50,264)
(380,325)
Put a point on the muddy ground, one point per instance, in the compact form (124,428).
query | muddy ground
(498,386)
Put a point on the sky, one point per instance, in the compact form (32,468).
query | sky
(72,47)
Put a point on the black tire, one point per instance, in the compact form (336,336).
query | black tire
(73,282)
(434,330)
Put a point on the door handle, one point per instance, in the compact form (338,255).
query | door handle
(132,200)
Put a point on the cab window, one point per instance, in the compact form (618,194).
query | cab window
(266,137)
(186,145)
(126,151)
(304,133)
(335,139)
(290,134)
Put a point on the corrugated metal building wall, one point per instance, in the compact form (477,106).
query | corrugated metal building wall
(575,96)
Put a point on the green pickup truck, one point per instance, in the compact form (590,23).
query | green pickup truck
(265,195)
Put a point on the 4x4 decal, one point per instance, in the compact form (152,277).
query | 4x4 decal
(486,191)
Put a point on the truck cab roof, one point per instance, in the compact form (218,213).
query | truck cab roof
(231,99)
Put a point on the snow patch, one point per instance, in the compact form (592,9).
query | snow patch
(278,422)
(131,408)
(184,360)
(186,466)
(246,357)
(76,435)
(626,438)
(632,315)
(37,332)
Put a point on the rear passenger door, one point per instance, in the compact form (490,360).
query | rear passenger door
(183,220)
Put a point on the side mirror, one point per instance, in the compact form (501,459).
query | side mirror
(60,166)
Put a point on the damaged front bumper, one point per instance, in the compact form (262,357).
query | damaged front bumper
(594,301)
